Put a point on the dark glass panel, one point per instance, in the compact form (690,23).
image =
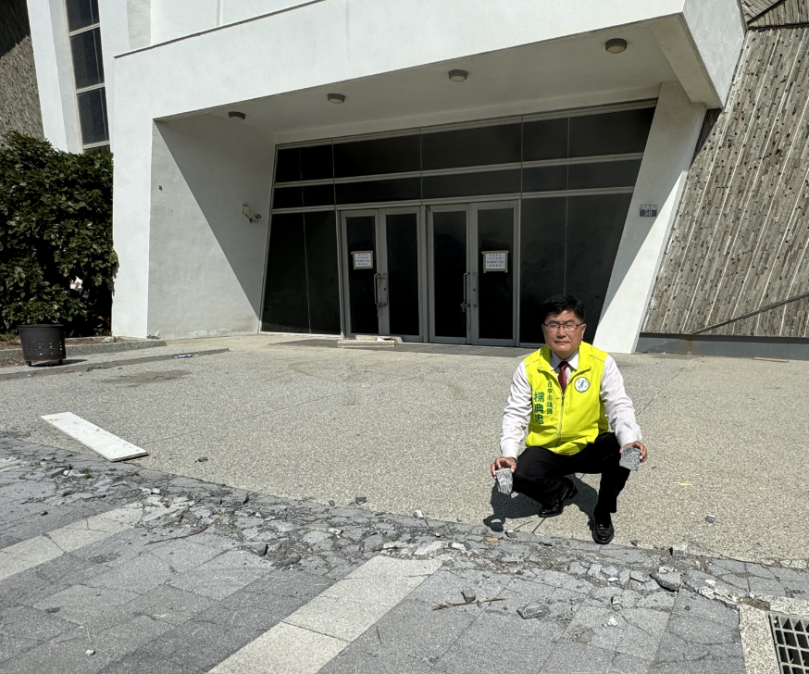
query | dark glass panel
(373,191)
(471,184)
(374,157)
(361,298)
(449,267)
(287,197)
(610,133)
(93,116)
(316,162)
(471,147)
(545,139)
(318,195)
(104,149)
(289,165)
(81,13)
(595,225)
(496,289)
(604,174)
(542,260)
(544,179)
(403,273)
(285,305)
(322,272)
(88,67)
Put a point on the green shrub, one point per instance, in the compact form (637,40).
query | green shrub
(55,226)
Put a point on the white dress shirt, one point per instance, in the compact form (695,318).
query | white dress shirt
(620,411)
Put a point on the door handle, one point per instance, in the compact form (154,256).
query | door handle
(475,290)
(465,303)
(379,305)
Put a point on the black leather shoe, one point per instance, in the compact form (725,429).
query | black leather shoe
(603,533)
(558,506)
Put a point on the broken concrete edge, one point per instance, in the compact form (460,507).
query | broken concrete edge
(86,367)
(120,344)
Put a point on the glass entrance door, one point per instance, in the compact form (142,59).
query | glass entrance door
(472,289)
(382,273)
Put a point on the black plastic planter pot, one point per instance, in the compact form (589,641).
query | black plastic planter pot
(42,342)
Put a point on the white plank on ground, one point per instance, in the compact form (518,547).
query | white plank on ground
(110,446)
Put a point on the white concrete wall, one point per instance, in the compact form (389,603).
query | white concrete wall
(206,260)
(54,66)
(175,18)
(239,10)
(661,180)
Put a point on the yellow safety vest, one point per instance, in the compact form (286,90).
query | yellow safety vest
(567,423)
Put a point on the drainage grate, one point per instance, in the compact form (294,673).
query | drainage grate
(791,637)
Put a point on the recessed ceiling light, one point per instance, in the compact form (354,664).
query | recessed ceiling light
(337,99)
(235,114)
(615,46)
(458,75)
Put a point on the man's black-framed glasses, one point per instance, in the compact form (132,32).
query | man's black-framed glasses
(567,327)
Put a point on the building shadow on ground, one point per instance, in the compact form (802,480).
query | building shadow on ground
(518,506)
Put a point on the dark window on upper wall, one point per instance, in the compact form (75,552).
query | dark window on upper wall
(322,272)
(88,67)
(544,178)
(318,195)
(288,168)
(604,174)
(542,260)
(377,157)
(287,197)
(545,139)
(471,184)
(471,147)
(316,162)
(610,133)
(373,191)
(286,307)
(93,116)
(595,225)
(81,13)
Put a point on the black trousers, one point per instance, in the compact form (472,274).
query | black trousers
(540,472)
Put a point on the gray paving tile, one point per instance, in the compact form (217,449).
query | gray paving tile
(700,667)
(700,608)
(675,649)
(215,583)
(200,645)
(255,616)
(184,554)
(504,643)
(140,574)
(574,658)
(146,662)
(636,632)
(629,664)
(115,550)
(24,621)
(288,582)
(445,586)
(95,608)
(66,654)
(413,627)
(766,586)
(697,631)
(170,604)
(354,661)
(128,636)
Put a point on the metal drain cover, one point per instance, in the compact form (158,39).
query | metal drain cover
(791,637)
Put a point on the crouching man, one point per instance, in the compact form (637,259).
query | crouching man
(568,395)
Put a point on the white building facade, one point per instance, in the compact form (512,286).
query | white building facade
(425,168)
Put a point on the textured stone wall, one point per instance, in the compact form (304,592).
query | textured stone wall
(19,98)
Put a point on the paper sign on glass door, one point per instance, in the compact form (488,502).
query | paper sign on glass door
(363,259)
(495,260)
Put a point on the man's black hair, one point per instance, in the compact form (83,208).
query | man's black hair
(559,303)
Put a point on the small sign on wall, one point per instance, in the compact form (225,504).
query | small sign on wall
(362,259)
(648,210)
(495,260)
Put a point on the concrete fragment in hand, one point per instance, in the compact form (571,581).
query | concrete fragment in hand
(505,481)
(630,458)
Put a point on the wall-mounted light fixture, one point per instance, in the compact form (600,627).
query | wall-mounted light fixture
(615,46)
(337,99)
(246,213)
(458,75)
(235,114)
